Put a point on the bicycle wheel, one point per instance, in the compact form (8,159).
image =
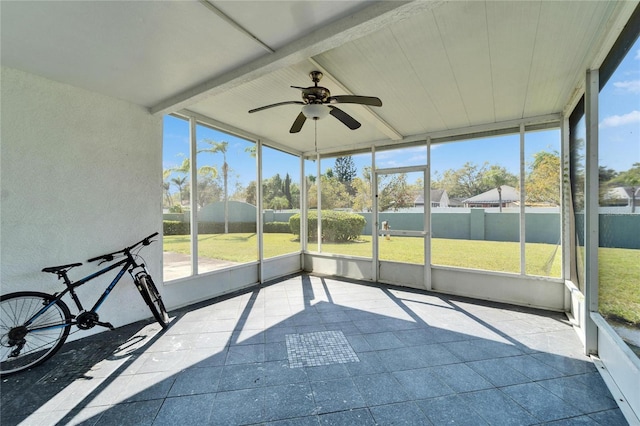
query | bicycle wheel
(25,346)
(152,298)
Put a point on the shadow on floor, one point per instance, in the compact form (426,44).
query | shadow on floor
(313,350)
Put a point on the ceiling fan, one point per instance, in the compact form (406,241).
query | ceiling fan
(317,100)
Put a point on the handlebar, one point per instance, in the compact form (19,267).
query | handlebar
(110,256)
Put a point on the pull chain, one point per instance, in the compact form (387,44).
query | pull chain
(315,139)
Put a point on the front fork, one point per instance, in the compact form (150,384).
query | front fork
(136,271)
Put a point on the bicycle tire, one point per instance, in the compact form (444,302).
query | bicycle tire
(37,345)
(152,298)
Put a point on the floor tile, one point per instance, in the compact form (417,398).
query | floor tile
(245,354)
(361,417)
(288,401)
(403,413)
(299,421)
(237,407)
(610,418)
(370,363)
(498,372)
(280,373)
(450,409)
(461,378)
(422,383)
(379,389)
(193,409)
(386,340)
(498,409)
(336,395)
(243,376)
(138,413)
(541,403)
(579,392)
(530,367)
(196,381)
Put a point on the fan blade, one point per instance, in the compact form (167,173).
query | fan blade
(278,104)
(297,124)
(298,87)
(353,99)
(346,119)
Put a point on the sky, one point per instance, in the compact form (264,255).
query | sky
(619,136)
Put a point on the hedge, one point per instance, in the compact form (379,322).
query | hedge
(173,227)
(336,226)
(276,227)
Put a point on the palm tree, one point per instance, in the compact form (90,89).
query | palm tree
(497,177)
(179,182)
(221,147)
(166,187)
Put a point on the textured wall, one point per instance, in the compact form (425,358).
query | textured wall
(80,176)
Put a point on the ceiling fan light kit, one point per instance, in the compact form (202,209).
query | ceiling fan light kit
(316,102)
(315,111)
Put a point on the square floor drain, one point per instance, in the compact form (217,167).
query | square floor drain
(319,348)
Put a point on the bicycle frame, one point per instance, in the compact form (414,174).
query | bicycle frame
(128,264)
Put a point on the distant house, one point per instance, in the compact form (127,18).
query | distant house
(621,196)
(510,198)
(439,198)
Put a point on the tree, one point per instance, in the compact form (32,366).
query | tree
(287,191)
(215,148)
(464,182)
(362,201)
(208,186)
(333,192)
(279,203)
(250,195)
(542,183)
(166,187)
(498,176)
(345,170)
(179,181)
(396,194)
(605,175)
(329,173)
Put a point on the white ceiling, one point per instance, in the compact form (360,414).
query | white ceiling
(437,66)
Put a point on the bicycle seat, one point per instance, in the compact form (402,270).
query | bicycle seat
(61,268)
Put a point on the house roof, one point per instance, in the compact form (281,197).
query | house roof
(621,192)
(509,195)
(441,68)
(436,196)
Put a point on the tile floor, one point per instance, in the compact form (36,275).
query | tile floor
(309,350)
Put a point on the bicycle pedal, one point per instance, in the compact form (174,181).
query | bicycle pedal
(107,325)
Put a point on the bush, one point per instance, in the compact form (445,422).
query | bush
(218,227)
(336,226)
(276,227)
(175,227)
(176,208)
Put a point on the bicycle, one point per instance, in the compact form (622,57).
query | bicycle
(35,325)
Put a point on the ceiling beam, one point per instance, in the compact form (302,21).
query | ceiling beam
(382,125)
(235,25)
(335,34)
(459,134)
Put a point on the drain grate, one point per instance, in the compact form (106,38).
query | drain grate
(319,348)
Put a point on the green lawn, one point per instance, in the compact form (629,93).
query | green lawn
(619,268)
(619,278)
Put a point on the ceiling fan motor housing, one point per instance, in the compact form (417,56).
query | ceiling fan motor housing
(315,95)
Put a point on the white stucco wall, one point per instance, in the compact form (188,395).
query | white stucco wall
(80,176)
